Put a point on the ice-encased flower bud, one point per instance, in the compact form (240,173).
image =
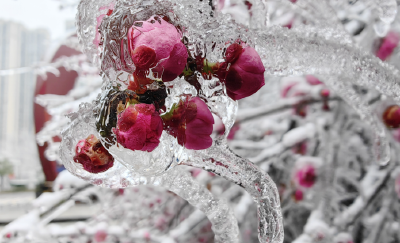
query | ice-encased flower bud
(391,116)
(191,122)
(389,43)
(156,44)
(298,195)
(91,153)
(242,71)
(139,127)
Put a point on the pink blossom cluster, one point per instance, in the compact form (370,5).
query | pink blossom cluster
(159,56)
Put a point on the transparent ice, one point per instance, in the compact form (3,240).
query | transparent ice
(326,51)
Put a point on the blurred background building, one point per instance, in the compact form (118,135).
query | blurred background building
(19,48)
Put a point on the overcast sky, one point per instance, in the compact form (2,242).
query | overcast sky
(37,14)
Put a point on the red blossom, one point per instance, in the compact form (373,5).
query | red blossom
(191,122)
(389,43)
(156,44)
(242,72)
(92,155)
(298,195)
(391,116)
(139,127)
(306,176)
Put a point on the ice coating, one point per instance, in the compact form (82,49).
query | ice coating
(89,22)
(340,66)
(176,180)
(116,65)
(309,66)
(324,52)
(387,10)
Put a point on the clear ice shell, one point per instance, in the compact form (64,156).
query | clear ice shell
(167,154)
(338,64)
(221,160)
(208,37)
(326,53)
(177,180)
(387,10)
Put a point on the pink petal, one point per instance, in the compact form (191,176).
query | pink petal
(250,61)
(389,43)
(149,35)
(199,127)
(174,65)
(198,142)
(144,133)
(251,84)
(203,112)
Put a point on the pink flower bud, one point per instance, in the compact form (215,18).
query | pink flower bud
(391,116)
(289,24)
(325,93)
(146,236)
(389,43)
(143,57)
(306,176)
(100,236)
(156,44)
(92,155)
(245,75)
(298,195)
(139,127)
(191,122)
(233,52)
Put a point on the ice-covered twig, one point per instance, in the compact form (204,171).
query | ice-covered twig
(372,182)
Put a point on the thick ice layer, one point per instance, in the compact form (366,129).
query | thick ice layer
(176,180)
(326,52)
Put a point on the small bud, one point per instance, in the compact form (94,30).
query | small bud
(139,127)
(389,43)
(91,153)
(391,116)
(306,176)
(242,72)
(191,122)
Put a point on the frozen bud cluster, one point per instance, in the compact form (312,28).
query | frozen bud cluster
(135,112)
